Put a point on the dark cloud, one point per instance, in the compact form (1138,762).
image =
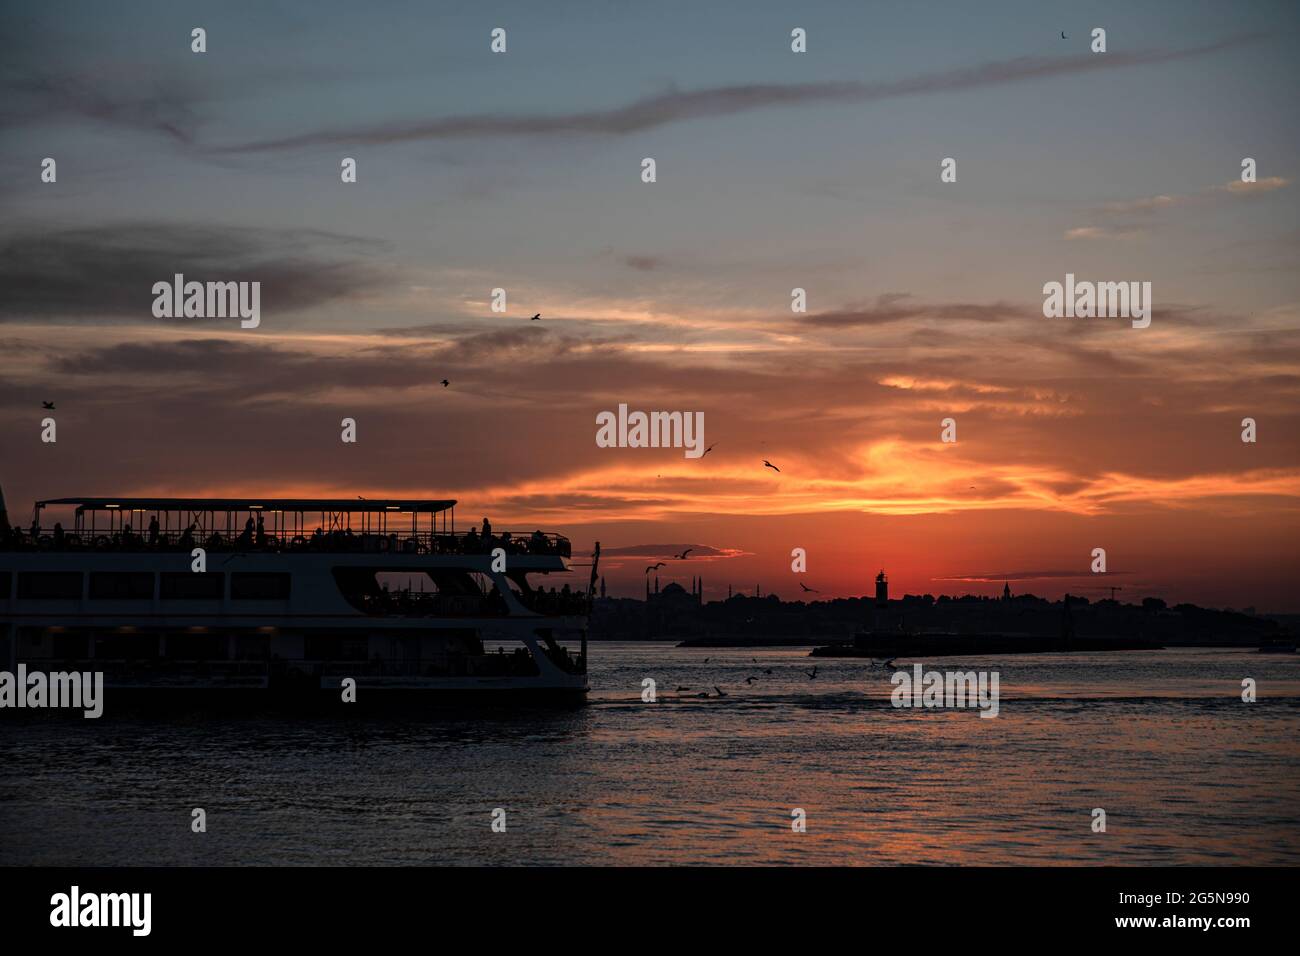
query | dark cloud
(109,271)
(656,552)
(899,307)
(994,577)
(677,105)
(643,263)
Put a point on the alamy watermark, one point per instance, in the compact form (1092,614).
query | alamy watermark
(208,300)
(651,430)
(78,690)
(957,689)
(75,908)
(1086,300)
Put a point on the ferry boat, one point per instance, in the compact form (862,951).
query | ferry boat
(195,601)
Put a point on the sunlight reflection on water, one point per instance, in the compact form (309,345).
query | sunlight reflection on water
(1187,773)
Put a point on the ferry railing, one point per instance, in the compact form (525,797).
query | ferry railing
(432,604)
(517,664)
(556,603)
(417,542)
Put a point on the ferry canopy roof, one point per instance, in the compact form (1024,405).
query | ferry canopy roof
(255,504)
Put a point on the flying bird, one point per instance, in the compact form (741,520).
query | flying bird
(445,383)
(770,465)
(1063,36)
(709,449)
(536,318)
(721,692)
(807,588)
(682,556)
(653,566)
(812,674)
(50,406)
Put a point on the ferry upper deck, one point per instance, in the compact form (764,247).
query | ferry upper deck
(412,526)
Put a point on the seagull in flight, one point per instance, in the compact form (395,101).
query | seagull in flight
(1063,36)
(654,566)
(50,406)
(682,556)
(709,449)
(445,383)
(807,588)
(770,465)
(812,674)
(536,318)
(750,679)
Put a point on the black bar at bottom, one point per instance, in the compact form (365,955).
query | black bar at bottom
(652,907)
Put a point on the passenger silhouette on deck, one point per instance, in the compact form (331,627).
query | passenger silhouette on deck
(153,531)
(58,535)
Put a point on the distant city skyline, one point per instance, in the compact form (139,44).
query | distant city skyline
(775,171)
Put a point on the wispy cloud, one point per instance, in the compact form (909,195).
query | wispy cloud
(680,105)
(1138,213)
(1266,185)
(1101,232)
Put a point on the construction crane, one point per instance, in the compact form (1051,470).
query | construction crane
(1112,588)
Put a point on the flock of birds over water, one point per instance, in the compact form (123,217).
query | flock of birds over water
(888,666)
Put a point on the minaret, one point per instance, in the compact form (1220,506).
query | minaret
(700,597)
(882,590)
(1006,590)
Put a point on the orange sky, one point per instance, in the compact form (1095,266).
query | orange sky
(776,171)
(1059,451)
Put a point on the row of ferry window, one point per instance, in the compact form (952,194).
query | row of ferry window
(139,586)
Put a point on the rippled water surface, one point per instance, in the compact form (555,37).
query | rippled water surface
(1186,771)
